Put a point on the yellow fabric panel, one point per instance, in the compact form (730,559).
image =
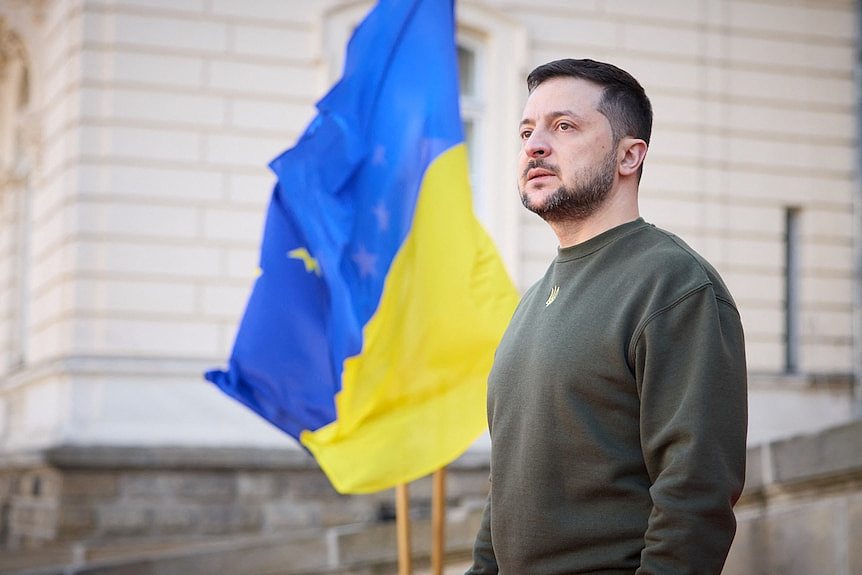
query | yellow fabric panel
(414,399)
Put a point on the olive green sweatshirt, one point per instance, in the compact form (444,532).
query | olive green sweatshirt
(617,409)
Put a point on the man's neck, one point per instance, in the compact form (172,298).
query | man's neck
(620,208)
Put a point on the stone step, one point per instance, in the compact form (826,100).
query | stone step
(359,549)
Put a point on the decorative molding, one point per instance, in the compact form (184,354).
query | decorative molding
(106,365)
(31,140)
(11,47)
(37,9)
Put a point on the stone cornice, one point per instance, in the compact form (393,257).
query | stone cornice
(801,462)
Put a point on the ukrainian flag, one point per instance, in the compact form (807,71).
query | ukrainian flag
(370,332)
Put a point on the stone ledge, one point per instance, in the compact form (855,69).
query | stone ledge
(798,381)
(156,457)
(834,452)
(174,457)
(152,366)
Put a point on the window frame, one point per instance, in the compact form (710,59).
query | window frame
(502,48)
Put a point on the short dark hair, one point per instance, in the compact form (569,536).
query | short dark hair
(624,102)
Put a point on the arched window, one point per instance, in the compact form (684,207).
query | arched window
(14,201)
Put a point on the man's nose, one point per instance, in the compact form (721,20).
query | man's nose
(536,146)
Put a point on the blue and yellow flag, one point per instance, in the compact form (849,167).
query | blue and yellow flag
(371,330)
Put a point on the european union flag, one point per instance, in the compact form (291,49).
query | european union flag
(370,332)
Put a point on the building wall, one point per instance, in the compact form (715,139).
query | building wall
(755,115)
(156,120)
(260,511)
(37,262)
(147,210)
(801,511)
(754,106)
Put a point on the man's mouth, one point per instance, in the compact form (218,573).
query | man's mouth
(539,173)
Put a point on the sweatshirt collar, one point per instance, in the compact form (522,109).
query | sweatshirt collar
(598,242)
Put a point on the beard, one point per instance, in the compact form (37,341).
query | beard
(580,198)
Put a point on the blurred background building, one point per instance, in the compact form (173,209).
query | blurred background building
(134,138)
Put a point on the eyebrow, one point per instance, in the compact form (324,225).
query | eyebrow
(554,116)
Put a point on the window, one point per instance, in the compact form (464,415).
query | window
(471,114)
(791,290)
(492,58)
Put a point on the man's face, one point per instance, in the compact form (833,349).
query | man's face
(568,160)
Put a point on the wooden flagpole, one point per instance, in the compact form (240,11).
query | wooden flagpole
(402,522)
(438,522)
(438,525)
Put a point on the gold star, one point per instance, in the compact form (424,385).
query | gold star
(311,264)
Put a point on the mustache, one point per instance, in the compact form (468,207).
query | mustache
(539,163)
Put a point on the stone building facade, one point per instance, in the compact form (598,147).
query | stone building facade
(134,138)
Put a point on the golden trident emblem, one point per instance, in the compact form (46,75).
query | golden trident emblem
(554,291)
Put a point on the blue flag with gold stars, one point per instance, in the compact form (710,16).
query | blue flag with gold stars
(370,332)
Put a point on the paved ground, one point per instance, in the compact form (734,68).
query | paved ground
(453,569)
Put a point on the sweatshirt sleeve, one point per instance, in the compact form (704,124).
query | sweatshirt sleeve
(690,366)
(484,561)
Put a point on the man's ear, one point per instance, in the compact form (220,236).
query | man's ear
(634,152)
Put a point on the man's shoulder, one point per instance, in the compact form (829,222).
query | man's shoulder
(661,257)
(656,245)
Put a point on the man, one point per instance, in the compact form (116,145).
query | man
(617,400)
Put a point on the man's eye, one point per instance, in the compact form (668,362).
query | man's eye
(526,134)
(565,127)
